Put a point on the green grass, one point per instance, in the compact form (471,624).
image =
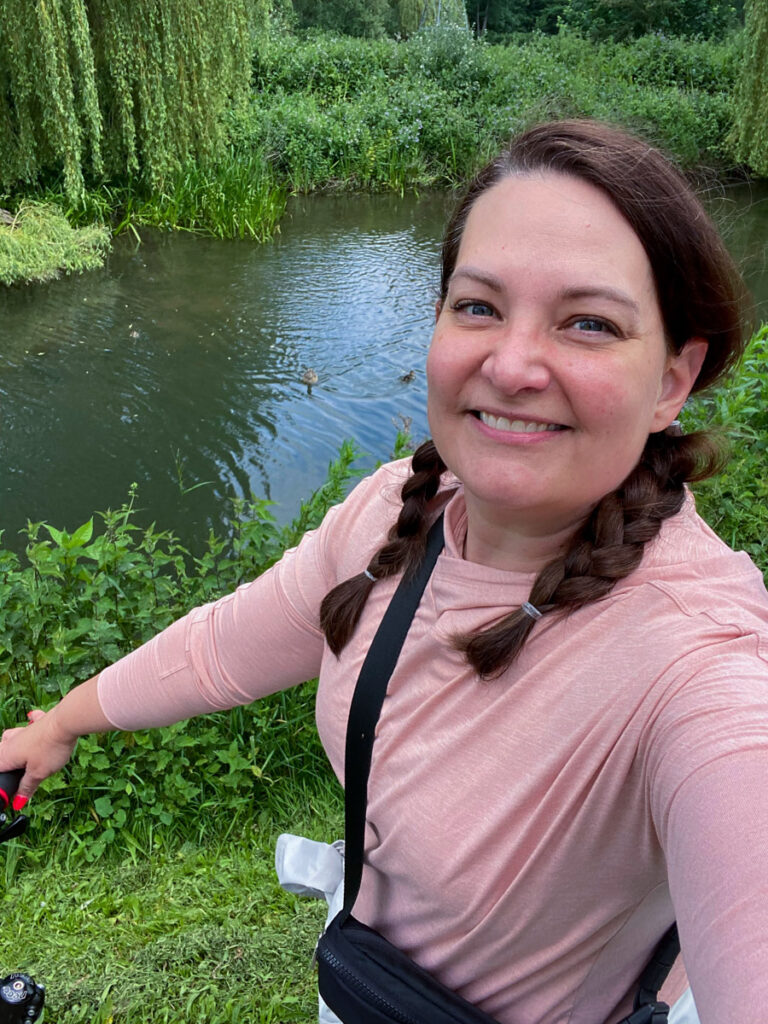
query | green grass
(199,933)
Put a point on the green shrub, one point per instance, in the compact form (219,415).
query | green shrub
(339,112)
(332,67)
(663,61)
(607,19)
(735,503)
(84,599)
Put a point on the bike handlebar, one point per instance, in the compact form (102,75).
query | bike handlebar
(9,783)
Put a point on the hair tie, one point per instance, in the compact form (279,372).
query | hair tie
(370,575)
(530,610)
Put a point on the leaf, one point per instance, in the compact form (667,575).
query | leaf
(58,535)
(103,806)
(82,535)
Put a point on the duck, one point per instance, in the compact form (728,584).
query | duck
(406,378)
(309,377)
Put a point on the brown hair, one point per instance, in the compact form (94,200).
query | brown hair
(700,294)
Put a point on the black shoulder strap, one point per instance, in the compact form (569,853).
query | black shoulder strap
(365,709)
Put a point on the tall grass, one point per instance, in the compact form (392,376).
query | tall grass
(237,197)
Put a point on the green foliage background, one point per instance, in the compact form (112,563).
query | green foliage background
(77,603)
(101,86)
(751,131)
(164,114)
(627,19)
(337,112)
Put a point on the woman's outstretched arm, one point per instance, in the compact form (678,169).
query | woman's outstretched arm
(263,637)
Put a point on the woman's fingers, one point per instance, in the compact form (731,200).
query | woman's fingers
(37,749)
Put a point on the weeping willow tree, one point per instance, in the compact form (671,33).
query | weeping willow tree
(416,14)
(107,87)
(751,130)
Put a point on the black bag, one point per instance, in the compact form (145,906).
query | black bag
(362,977)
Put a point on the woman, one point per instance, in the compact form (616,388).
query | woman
(574,745)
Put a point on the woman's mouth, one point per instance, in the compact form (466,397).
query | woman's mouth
(516,426)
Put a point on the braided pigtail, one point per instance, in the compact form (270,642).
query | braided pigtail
(605,549)
(342,607)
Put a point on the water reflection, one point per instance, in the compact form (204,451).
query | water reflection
(181,363)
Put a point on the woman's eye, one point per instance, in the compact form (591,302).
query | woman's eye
(593,325)
(474,308)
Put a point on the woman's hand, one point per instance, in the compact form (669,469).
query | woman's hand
(40,749)
(46,744)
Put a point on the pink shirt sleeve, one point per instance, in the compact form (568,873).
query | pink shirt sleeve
(708,775)
(262,638)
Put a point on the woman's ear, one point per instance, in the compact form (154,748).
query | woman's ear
(678,379)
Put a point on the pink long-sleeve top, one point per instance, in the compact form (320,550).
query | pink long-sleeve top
(529,839)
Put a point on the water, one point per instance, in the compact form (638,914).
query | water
(179,366)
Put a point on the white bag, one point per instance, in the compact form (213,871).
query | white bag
(684,1010)
(308,868)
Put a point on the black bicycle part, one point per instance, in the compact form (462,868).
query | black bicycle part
(21,999)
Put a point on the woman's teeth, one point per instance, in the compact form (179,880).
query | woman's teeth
(517,426)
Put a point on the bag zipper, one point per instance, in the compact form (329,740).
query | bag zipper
(333,961)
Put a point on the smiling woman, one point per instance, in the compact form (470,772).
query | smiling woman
(529,841)
(549,366)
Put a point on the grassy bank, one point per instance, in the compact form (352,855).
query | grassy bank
(202,933)
(38,242)
(342,113)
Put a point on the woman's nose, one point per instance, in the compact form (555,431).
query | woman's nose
(520,359)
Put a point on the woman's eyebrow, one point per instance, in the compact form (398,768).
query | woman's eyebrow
(602,292)
(585,292)
(474,274)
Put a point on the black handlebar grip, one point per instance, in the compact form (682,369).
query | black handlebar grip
(9,783)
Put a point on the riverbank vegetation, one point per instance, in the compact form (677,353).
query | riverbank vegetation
(38,240)
(145,888)
(203,123)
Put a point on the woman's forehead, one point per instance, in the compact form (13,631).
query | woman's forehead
(555,225)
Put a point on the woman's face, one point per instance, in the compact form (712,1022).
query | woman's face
(548,366)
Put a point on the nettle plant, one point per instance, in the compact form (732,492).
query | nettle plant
(84,599)
(735,503)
